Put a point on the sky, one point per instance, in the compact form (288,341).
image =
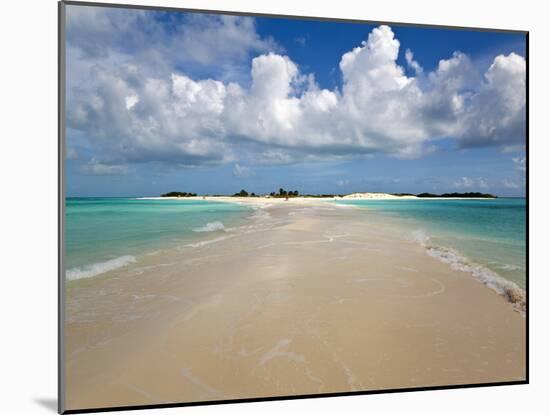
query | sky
(211,104)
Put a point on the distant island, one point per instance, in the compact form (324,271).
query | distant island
(282,193)
(475,195)
(178,194)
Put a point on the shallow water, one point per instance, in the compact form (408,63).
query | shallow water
(103,234)
(490,233)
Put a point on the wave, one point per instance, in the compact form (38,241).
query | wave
(508,289)
(207,242)
(211,227)
(511,267)
(92,270)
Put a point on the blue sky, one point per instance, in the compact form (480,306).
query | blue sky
(163,101)
(319,45)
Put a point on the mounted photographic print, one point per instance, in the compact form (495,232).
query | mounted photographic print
(264,207)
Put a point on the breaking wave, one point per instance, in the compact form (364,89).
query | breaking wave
(508,289)
(92,270)
(211,227)
(207,242)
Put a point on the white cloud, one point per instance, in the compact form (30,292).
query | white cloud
(443,102)
(243,172)
(132,113)
(511,184)
(207,38)
(275,156)
(520,163)
(482,183)
(468,183)
(342,182)
(131,100)
(520,177)
(100,169)
(103,34)
(465,182)
(496,112)
(414,65)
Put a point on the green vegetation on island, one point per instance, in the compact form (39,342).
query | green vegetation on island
(284,193)
(460,195)
(244,193)
(281,193)
(178,194)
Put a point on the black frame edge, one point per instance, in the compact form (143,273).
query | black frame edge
(291,397)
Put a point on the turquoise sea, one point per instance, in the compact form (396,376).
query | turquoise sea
(106,233)
(489,232)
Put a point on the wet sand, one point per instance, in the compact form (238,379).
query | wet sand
(308,298)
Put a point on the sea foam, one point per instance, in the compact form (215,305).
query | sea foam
(210,227)
(207,242)
(511,267)
(92,270)
(508,289)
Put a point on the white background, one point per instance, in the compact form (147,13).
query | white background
(28,227)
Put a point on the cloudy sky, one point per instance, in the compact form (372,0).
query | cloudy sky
(162,101)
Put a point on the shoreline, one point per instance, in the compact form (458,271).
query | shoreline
(504,287)
(307,298)
(297,199)
(454,259)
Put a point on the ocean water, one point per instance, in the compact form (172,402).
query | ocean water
(103,234)
(478,235)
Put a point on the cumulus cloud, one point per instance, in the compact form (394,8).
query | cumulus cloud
(414,65)
(172,120)
(496,113)
(132,113)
